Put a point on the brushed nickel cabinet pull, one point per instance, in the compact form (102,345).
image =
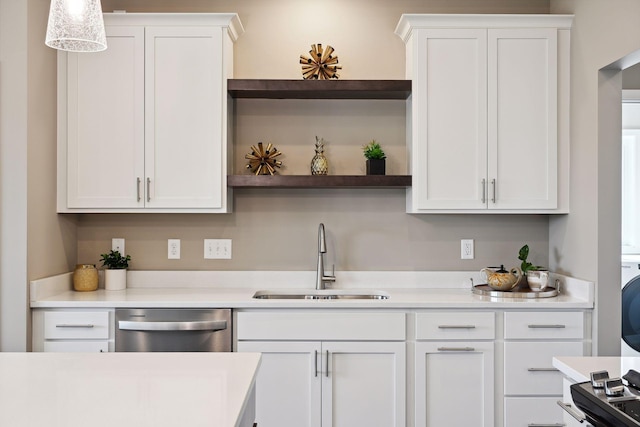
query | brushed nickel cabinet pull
(327,374)
(70,325)
(315,362)
(138,188)
(148,189)
(484,190)
(546,326)
(493,184)
(542,369)
(546,425)
(456,326)
(456,349)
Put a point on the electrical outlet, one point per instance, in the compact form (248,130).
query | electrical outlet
(118,245)
(466,249)
(217,248)
(173,249)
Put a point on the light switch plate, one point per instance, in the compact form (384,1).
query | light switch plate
(117,244)
(217,248)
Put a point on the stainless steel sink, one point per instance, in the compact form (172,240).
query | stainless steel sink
(322,294)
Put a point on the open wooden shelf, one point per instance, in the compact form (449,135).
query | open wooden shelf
(319,181)
(319,89)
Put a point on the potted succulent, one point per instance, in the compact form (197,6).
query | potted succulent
(115,275)
(375,158)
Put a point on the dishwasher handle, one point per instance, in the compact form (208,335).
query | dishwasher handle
(201,325)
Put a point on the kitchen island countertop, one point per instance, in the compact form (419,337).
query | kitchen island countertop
(128,389)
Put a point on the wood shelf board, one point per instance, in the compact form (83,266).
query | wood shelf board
(319,89)
(318,181)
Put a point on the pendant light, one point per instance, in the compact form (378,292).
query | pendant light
(76,26)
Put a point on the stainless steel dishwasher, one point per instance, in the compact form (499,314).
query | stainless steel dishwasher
(156,329)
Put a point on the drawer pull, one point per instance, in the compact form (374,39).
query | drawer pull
(69,325)
(456,326)
(547,326)
(546,425)
(578,416)
(456,349)
(542,369)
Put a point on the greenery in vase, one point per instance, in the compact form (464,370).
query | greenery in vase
(523,254)
(115,261)
(373,151)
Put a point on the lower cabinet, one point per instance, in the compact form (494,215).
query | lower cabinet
(73,330)
(454,384)
(329,383)
(327,369)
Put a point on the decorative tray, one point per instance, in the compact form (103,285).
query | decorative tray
(487,291)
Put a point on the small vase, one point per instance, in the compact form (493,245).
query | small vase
(376,166)
(115,280)
(85,278)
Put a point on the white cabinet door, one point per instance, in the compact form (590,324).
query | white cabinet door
(441,368)
(363,384)
(532,412)
(522,117)
(288,383)
(183,115)
(449,112)
(105,122)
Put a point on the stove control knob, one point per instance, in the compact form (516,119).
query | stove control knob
(598,378)
(614,387)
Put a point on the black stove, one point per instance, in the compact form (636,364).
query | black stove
(609,402)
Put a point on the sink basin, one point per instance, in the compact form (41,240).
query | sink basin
(322,294)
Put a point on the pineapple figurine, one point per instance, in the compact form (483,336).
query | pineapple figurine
(319,163)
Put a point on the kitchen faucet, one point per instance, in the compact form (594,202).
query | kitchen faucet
(321,279)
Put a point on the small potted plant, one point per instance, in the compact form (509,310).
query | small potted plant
(536,276)
(115,275)
(375,158)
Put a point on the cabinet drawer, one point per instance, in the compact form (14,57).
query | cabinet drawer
(544,325)
(528,366)
(312,326)
(76,325)
(76,346)
(455,326)
(532,411)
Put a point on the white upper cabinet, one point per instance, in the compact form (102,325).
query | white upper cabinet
(142,125)
(488,116)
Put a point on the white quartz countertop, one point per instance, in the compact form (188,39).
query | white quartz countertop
(208,290)
(125,389)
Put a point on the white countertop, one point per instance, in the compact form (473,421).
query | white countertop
(125,389)
(579,368)
(207,290)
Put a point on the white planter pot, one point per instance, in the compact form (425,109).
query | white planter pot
(115,280)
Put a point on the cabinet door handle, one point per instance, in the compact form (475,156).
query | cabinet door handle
(148,189)
(546,425)
(315,362)
(138,188)
(542,369)
(327,373)
(546,326)
(578,416)
(456,326)
(484,190)
(70,325)
(493,185)
(456,349)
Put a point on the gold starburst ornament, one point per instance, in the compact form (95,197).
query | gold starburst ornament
(263,162)
(321,64)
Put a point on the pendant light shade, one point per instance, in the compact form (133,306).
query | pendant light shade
(76,26)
